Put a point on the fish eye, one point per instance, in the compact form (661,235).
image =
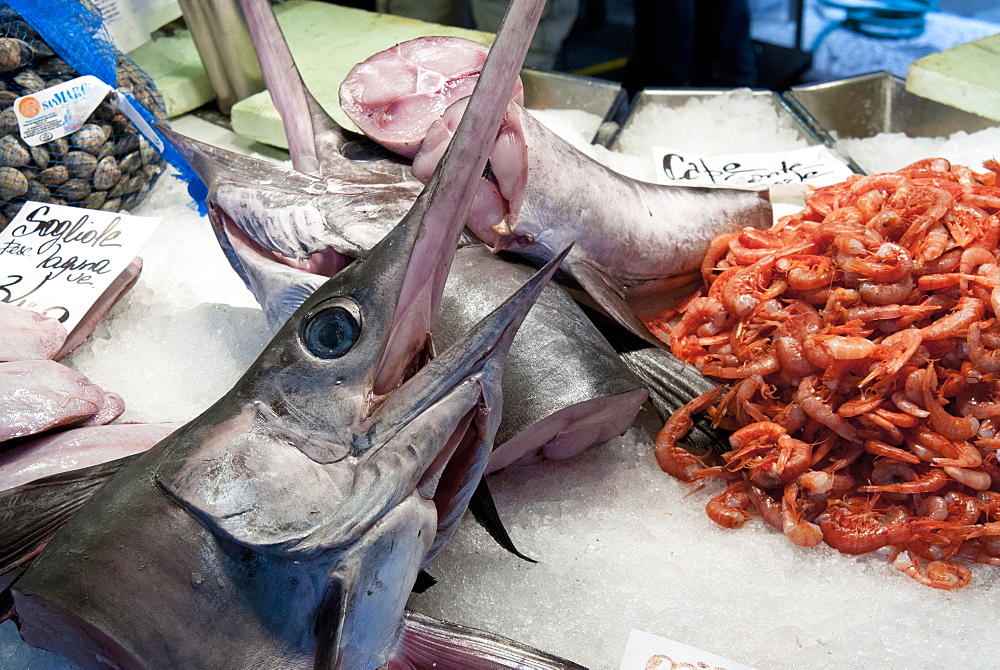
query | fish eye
(330,332)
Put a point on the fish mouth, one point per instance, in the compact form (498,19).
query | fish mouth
(241,248)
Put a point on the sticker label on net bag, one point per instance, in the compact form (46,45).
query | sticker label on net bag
(58,260)
(646,651)
(59,110)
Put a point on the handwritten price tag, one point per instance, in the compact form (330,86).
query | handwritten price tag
(58,260)
(649,652)
(816,166)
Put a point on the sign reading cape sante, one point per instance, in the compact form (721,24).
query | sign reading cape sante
(815,166)
(58,260)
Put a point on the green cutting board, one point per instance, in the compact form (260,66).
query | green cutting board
(966,77)
(327,41)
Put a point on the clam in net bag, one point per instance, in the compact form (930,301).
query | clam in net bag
(105,164)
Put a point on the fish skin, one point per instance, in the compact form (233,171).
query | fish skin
(572,389)
(38,395)
(269,249)
(27,335)
(632,238)
(75,449)
(321,578)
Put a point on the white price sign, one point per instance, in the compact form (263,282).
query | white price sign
(815,166)
(645,651)
(58,260)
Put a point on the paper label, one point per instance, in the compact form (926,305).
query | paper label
(816,166)
(645,651)
(58,260)
(58,110)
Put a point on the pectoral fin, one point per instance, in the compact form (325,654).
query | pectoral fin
(485,512)
(330,626)
(609,293)
(429,643)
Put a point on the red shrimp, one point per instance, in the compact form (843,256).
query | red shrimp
(731,508)
(889,263)
(975,480)
(768,508)
(741,293)
(956,324)
(983,550)
(812,400)
(895,350)
(934,202)
(886,293)
(860,532)
(950,427)
(936,574)
(717,249)
(771,456)
(794,524)
(879,448)
(900,478)
(806,272)
(673,459)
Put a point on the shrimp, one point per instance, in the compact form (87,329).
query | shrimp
(713,256)
(897,349)
(809,398)
(793,522)
(772,457)
(731,508)
(886,293)
(879,448)
(860,532)
(956,324)
(900,478)
(804,273)
(949,426)
(936,574)
(740,294)
(673,459)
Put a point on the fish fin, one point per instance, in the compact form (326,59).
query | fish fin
(42,507)
(484,510)
(609,293)
(431,643)
(330,626)
(673,383)
(425,580)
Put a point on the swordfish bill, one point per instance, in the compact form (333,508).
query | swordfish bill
(285,526)
(572,389)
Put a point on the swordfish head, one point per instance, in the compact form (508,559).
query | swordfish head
(315,490)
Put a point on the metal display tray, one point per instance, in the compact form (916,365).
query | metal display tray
(557,90)
(677,97)
(874,103)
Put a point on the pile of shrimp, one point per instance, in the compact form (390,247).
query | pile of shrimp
(858,346)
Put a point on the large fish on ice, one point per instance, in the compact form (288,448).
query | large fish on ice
(285,526)
(633,239)
(567,387)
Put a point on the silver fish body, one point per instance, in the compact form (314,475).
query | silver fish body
(285,238)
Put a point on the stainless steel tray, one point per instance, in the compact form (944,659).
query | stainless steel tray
(874,103)
(557,90)
(677,97)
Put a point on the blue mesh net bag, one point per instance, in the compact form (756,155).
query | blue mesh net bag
(106,164)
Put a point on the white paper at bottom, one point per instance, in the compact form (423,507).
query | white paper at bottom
(646,651)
